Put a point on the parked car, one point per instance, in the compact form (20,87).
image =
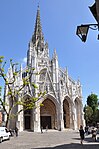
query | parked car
(4,134)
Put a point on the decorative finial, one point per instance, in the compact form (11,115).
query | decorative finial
(54,54)
(38,5)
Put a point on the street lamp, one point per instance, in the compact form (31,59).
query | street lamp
(82,30)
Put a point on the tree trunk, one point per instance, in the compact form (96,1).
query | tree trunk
(7,120)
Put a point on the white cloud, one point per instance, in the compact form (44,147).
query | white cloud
(25,59)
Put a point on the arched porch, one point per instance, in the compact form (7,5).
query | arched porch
(48,114)
(67,112)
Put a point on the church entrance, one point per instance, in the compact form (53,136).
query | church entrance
(27,119)
(27,122)
(46,121)
(66,114)
(48,116)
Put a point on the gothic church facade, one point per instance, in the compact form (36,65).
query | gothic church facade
(63,100)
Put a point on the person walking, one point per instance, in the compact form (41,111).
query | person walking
(94,134)
(41,129)
(46,128)
(16,131)
(86,130)
(81,131)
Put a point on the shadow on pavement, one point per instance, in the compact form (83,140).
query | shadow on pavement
(72,146)
(88,139)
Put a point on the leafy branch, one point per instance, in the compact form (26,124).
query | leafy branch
(14,91)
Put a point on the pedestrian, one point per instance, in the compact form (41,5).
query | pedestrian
(94,134)
(46,128)
(41,129)
(11,132)
(81,131)
(16,131)
(86,130)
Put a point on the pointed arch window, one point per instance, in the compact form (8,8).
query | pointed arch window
(42,75)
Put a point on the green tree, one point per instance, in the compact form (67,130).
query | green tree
(91,110)
(97,116)
(16,91)
(88,112)
(92,101)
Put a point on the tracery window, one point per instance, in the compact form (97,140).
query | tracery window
(42,75)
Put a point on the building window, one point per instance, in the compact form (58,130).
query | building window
(24,74)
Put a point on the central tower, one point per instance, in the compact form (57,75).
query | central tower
(38,52)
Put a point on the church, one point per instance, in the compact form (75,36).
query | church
(63,108)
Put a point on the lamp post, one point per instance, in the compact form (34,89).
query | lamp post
(82,30)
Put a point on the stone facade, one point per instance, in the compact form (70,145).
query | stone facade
(63,100)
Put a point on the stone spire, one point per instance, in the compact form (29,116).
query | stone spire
(55,54)
(37,38)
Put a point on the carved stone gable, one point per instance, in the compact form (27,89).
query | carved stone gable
(45,82)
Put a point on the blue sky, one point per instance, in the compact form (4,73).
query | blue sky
(59,19)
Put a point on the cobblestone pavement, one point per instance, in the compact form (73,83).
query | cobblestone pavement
(49,140)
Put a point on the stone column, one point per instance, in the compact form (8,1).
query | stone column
(74,117)
(61,116)
(20,119)
(71,116)
(37,126)
(82,115)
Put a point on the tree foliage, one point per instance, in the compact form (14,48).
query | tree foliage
(91,109)
(15,93)
(88,114)
(92,101)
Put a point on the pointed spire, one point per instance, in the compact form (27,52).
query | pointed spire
(20,71)
(78,81)
(37,37)
(55,54)
(66,70)
(20,67)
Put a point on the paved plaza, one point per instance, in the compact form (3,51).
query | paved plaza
(49,140)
